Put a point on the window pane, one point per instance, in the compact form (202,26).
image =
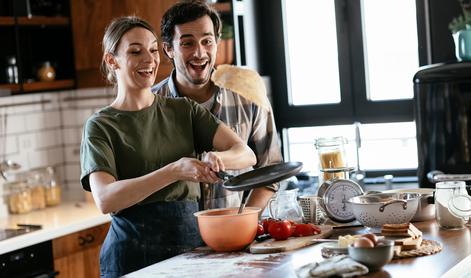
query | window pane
(391,48)
(312,52)
(383,146)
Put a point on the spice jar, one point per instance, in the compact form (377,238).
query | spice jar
(331,153)
(19,197)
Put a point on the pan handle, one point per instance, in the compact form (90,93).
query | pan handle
(437,176)
(224,175)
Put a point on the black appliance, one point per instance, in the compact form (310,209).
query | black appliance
(32,261)
(442,102)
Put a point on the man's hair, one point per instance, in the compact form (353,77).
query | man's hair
(184,12)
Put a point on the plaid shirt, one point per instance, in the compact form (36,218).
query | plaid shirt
(254,125)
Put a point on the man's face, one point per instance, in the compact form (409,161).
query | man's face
(193,51)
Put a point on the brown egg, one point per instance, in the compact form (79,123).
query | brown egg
(371,237)
(363,242)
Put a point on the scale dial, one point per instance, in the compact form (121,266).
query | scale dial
(335,194)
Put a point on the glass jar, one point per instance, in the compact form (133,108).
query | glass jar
(284,205)
(45,176)
(38,190)
(450,198)
(19,197)
(331,153)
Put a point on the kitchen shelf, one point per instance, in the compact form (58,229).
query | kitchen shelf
(10,87)
(49,85)
(44,20)
(7,20)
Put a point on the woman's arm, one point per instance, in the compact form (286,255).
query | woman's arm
(111,195)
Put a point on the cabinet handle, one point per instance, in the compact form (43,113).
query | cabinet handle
(89,238)
(82,241)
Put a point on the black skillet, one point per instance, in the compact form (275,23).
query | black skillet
(259,177)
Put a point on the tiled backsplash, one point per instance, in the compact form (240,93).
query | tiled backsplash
(46,129)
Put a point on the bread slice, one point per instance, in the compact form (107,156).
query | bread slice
(401,230)
(396,226)
(411,243)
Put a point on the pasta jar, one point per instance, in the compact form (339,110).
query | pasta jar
(19,197)
(47,178)
(331,153)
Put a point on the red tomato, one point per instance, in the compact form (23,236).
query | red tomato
(260,230)
(266,223)
(306,230)
(280,230)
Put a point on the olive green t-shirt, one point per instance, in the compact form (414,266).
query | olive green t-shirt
(129,144)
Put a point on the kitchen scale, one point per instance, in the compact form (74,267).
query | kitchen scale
(335,193)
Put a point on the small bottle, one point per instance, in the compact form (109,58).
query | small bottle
(46,72)
(12,70)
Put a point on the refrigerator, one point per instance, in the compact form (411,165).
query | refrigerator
(442,108)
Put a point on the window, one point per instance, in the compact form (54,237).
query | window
(348,61)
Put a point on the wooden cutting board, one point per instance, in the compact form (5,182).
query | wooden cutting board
(292,243)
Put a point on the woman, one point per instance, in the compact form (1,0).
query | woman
(137,156)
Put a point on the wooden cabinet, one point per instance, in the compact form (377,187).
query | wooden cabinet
(77,255)
(89,20)
(34,34)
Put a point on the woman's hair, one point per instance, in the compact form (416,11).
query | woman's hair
(113,34)
(184,12)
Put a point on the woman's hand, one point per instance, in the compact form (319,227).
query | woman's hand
(214,161)
(191,169)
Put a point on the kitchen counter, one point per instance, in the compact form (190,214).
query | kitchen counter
(454,258)
(69,217)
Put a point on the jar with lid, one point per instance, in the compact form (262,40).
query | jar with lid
(38,190)
(331,154)
(452,204)
(19,197)
(47,178)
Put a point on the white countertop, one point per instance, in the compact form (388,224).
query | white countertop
(56,221)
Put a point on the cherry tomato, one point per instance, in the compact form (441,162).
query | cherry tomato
(260,230)
(306,230)
(280,230)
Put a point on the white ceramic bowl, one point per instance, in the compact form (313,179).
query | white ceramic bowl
(374,210)
(374,258)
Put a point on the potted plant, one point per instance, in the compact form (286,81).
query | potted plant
(461,29)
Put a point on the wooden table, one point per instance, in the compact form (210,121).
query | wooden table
(205,263)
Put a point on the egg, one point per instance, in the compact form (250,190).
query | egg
(371,237)
(363,242)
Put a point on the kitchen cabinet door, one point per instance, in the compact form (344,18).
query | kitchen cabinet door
(89,20)
(77,255)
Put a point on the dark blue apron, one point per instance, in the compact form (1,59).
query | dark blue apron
(145,234)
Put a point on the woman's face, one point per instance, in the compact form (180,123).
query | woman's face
(137,59)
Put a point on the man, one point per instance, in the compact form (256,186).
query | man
(190,32)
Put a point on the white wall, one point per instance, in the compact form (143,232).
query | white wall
(45,129)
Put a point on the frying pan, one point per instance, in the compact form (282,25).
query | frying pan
(258,178)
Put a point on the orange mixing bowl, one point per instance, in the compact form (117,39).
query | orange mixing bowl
(224,230)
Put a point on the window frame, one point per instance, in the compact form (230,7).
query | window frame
(354,105)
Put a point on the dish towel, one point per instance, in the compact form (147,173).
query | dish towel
(342,266)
